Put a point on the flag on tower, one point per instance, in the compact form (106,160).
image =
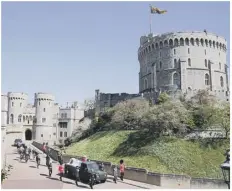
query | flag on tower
(155,10)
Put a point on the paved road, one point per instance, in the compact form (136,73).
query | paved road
(27,176)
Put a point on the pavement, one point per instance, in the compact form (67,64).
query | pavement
(27,176)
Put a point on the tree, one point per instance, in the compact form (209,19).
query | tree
(89,104)
(222,118)
(203,97)
(129,113)
(163,97)
(168,116)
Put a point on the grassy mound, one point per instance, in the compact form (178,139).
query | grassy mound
(162,155)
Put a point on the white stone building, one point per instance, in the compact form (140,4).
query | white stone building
(183,62)
(68,120)
(41,122)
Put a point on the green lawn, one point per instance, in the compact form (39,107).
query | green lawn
(163,155)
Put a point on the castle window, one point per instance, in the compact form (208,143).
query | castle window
(189,62)
(39,102)
(160,54)
(192,41)
(30,118)
(187,41)
(175,79)
(209,64)
(174,51)
(176,42)
(12,104)
(20,104)
(197,42)
(207,79)
(202,42)
(205,52)
(217,44)
(19,118)
(23,118)
(152,46)
(145,84)
(44,109)
(175,63)
(27,118)
(220,66)
(161,44)
(156,45)
(181,42)
(221,81)
(65,115)
(214,44)
(41,135)
(12,118)
(206,42)
(65,134)
(149,48)
(43,120)
(210,43)
(160,65)
(206,63)
(165,43)
(170,42)
(61,134)
(188,50)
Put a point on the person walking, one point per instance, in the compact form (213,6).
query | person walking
(84,159)
(37,159)
(61,170)
(44,148)
(122,169)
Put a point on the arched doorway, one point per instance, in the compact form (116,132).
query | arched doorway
(28,134)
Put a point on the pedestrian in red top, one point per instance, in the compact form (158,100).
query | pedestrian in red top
(61,170)
(122,169)
(84,159)
(44,147)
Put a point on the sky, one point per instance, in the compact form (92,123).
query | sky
(69,49)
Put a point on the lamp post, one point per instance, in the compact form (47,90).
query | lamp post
(226,169)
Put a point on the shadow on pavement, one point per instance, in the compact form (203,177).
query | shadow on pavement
(43,174)
(52,178)
(111,178)
(81,186)
(32,167)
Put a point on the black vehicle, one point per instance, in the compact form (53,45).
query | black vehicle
(90,173)
(71,169)
(17,142)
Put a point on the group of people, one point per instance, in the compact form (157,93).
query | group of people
(24,150)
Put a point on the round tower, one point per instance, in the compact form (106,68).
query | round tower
(183,62)
(16,104)
(43,124)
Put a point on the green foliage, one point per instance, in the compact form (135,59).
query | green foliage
(169,116)
(163,97)
(221,117)
(143,149)
(128,114)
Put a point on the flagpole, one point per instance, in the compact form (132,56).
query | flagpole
(150,18)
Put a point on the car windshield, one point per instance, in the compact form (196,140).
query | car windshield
(93,166)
